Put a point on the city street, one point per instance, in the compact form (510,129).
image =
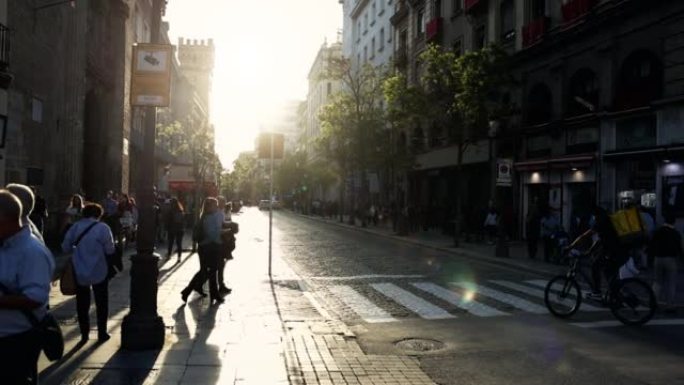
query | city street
(490,322)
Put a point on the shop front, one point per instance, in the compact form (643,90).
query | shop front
(566,185)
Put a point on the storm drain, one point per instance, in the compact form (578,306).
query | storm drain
(419,345)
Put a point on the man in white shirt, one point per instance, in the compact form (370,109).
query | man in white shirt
(26,268)
(28,201)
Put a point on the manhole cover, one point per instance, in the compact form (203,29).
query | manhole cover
(419,345)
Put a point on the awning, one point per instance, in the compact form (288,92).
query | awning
(661,152)
(185,186)
(557,163)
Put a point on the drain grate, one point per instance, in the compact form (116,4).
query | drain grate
(419,345)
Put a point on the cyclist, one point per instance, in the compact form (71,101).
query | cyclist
(607,251)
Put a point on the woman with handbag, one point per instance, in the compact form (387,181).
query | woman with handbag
(91,241)
(26,268)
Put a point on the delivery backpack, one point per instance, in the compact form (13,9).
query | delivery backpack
(628,226)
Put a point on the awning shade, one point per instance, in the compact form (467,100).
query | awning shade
(558,163)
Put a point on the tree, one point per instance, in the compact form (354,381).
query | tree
(353,122)
(193,142)
(464,93)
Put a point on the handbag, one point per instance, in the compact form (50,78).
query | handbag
(50,333)
(67,280)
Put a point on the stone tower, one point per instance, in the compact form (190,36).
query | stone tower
(197,65)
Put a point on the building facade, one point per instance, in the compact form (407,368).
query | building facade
(598,103)
(369,32)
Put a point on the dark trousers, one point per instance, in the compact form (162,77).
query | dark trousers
(209,256)
(532,247)
(176,237)
(19,358)
(101,293)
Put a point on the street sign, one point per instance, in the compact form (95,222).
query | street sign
(504,173)
(264,145)
(151,75)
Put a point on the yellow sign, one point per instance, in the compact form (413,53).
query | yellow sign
(151,75)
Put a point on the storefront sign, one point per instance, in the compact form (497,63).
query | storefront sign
(504,172)
(151,75)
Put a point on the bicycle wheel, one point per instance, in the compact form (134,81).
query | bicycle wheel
(562,296)
(632,301)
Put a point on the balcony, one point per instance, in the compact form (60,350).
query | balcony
(5,76)
(574,9)
(433,29)
(469,5)
(535,31)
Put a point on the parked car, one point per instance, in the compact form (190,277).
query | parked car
(264,204)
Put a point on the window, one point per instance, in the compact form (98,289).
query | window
(382,39)
(479,37)
(389,35)
(358,58)
(507,27)
(37,110)
(365,23)
(636,132)
(358,31)
(373,47)
(538,146)
(539,104)
(420,23)
(438,8)
(382,7)
(582,140)
(583,96)
(375,12)
(456,6)
(365,54)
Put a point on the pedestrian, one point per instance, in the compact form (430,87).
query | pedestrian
(40,212)
(28,201)
(491,224)
(26,268)
(125,214)
(208,235)
(227,245)
(72,213)
(666,248)
(533,229)
(549,228)
(175,218)
(91,241)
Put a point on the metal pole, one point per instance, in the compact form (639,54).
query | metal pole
(270,216)
(143,328)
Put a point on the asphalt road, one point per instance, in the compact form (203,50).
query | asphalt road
(488,322)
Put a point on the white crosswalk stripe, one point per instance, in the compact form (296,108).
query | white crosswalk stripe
(365,309)
(500,296)
(411,301)
(539,293)
(454,298)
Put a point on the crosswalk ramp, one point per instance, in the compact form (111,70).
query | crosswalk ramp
(373,302)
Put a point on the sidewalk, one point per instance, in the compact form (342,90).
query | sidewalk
(265,334)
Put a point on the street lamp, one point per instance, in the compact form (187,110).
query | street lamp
(143,328)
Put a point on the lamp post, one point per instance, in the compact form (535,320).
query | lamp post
(143,328)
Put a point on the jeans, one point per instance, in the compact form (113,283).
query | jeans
(101,293)
(19,358)
(209,261)
(665,283)
(177,238)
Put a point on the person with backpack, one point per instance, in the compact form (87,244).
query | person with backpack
(666,249)
(26,268)
(91,242)
(207,233)
(175,220)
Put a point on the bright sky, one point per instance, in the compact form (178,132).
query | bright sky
(264,50)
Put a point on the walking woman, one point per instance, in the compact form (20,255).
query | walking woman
(91,242)
(174,226)
(73,212)
(209,240)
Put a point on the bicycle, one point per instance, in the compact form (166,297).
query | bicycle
(631,300)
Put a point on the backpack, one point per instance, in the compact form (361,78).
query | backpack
(628,226)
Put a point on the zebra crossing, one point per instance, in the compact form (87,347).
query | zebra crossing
(424,299)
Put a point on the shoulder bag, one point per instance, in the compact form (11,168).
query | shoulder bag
(50,333)
(67,281)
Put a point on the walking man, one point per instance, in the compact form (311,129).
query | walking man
(26,267)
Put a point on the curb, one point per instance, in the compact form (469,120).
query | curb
(460,252)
